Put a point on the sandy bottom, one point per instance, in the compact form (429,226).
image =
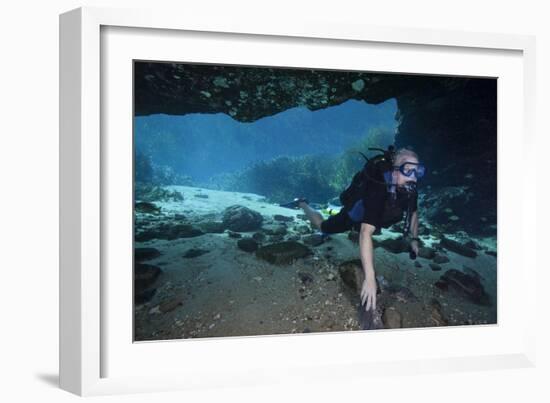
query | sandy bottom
(229,292)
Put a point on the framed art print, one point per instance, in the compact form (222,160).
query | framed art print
(235,200)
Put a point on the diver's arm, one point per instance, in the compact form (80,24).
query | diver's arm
(366,250)
(414,224)
(414,232)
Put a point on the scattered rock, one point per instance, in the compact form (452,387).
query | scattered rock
(303,229)
(440,259)
(382,282)
(143,254)
(465,285)
(426,252)
(283,218)
(145,236)
(232,234)
(417,264)
(398,245)
(212,227)
(442,285)
(457,247)
(435,267)
(276,238)
(201,196)
(370,320)
(313,239)
(144,296)
(194,252)
(392,318)
(471,272)
(491,253)
(145,275)
(170,305)
(247,244)
(402,294)
(275,229)
(151,193)
(146,207)
(352,275)
(305,278)
(169,232)
(240,218)
(283,253)
(183,231)
(258,237)
(472,244)
(436,314)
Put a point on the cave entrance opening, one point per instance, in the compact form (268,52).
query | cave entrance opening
(207,149)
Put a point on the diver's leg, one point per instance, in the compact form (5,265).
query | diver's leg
(314,216)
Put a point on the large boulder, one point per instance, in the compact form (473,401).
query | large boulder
(241,219)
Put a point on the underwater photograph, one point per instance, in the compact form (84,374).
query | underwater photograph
(277,200)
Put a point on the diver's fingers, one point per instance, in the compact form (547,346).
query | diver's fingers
(374,302)
(369,301)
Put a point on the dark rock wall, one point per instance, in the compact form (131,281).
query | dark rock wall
(451,123)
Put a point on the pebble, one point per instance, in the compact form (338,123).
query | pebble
(155,310)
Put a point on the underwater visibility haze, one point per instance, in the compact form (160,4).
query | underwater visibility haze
(219,151)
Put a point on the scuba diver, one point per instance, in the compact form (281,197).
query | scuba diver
(382,194)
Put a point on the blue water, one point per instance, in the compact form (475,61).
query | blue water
(204,145)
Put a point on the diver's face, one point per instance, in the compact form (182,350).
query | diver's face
(399,178)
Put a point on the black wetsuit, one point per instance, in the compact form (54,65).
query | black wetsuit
(380,206)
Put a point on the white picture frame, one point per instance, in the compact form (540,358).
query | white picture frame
(92,357)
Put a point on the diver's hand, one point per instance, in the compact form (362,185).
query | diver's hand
(368,293)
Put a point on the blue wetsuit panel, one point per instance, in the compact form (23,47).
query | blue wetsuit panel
(357,212)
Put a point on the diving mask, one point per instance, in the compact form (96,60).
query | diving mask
(410,168)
